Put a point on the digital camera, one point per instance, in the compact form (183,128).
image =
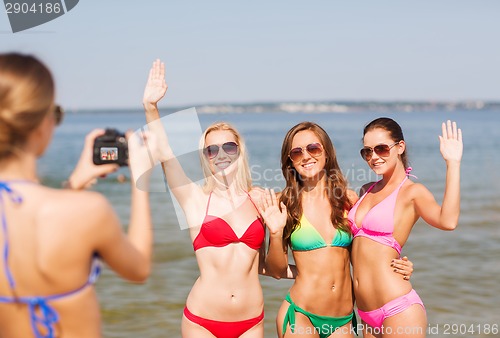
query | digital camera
(111,148)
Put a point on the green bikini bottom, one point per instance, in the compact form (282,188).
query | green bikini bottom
(324,325)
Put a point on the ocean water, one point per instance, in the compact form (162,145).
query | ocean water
(456,273)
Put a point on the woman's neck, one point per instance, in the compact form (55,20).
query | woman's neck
(18,168)
(395,176)
(224,181)
(227,191)
(314,187)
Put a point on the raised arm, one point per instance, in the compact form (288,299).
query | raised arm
(86,172)
(444,217)
(156,87)
(140,230)
(127,254)
(274,214)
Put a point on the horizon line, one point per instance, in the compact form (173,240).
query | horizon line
(471,104)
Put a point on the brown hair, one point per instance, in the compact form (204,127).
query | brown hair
(26,97)
(394,130)
(291,196)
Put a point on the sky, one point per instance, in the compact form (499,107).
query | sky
(268,51)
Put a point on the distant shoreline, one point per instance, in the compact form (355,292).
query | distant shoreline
(318,107)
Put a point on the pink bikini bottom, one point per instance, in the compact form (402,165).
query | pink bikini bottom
(375,318)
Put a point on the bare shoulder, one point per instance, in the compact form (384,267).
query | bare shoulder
(414,190)
(365,188)
(80,219)
(77,207)
(88,199)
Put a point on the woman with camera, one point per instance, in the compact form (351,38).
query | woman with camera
(50,238)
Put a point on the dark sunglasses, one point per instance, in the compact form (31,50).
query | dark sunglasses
(314,149)
(230,148)
(383,150)
(58,114)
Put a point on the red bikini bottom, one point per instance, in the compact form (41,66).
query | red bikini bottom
(224,329)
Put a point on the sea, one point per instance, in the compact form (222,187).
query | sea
(456,273)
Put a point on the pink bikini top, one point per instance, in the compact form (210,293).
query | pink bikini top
(378,224)
(216,232)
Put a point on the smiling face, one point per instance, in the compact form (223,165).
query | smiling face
(308,166)
(222,155)
(223,158)
(380,163)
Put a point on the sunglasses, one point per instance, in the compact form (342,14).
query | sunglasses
(58,114)
(314,149)
(230,148)
(383,150)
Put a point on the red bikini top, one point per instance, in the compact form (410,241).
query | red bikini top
(216,232)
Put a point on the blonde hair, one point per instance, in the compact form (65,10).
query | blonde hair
(26,97)
(243,178)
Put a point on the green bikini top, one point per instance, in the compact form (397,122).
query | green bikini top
(305,237)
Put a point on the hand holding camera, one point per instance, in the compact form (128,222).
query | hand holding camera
(105,151)
(86,172)
(111,148)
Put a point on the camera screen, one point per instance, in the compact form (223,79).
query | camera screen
(109,153)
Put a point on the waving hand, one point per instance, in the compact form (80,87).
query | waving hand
(451,145)
(156,86)
(274,216)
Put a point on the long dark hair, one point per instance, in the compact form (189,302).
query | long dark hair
(291,196)
(394,130)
